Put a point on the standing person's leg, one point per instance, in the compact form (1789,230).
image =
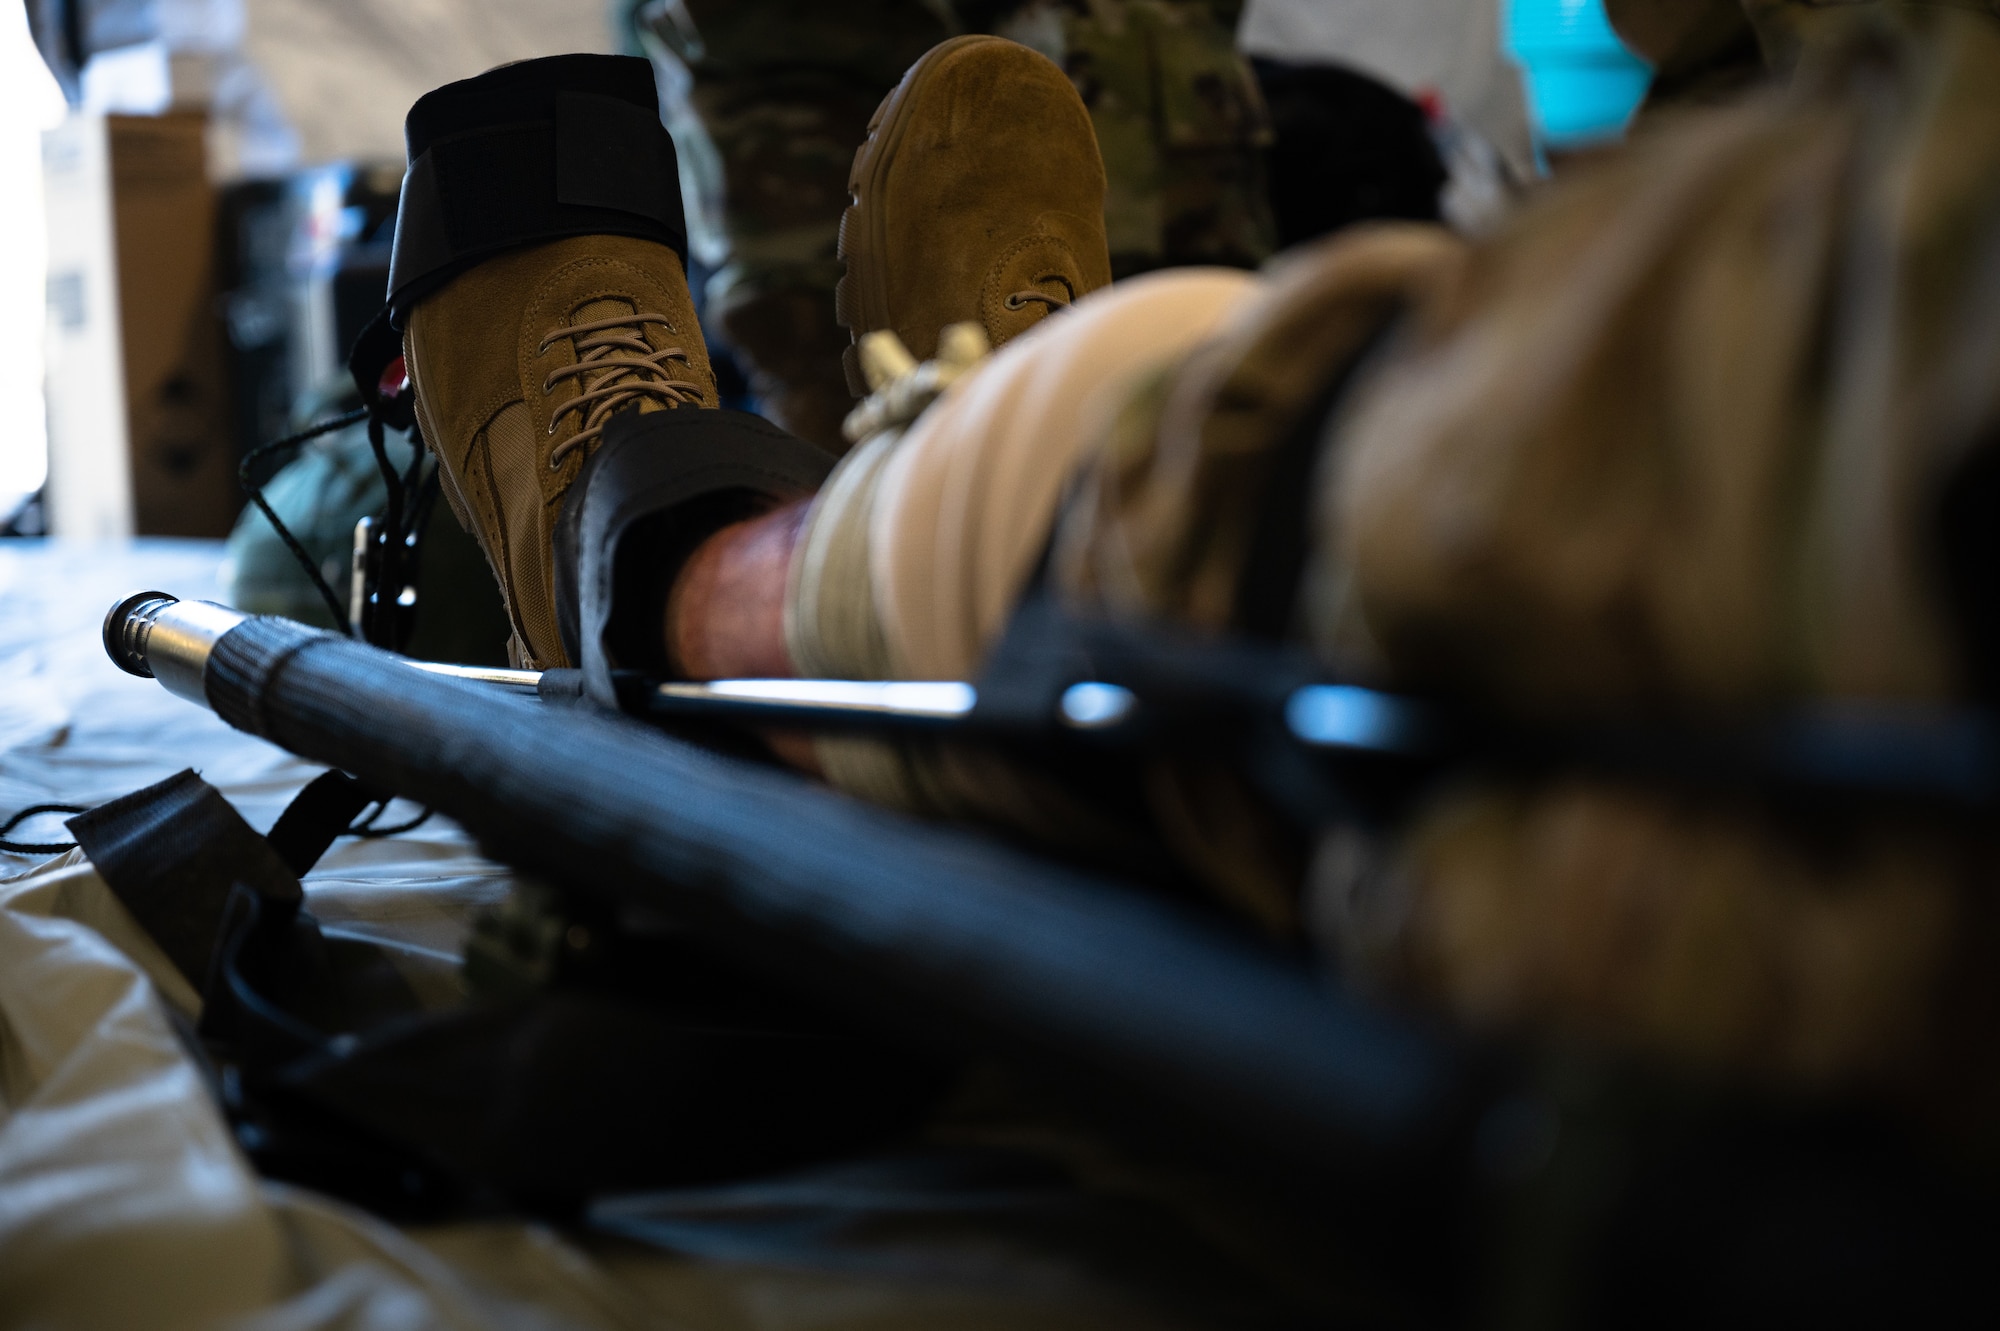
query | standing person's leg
(766,100)
(1178,115)
(977,197)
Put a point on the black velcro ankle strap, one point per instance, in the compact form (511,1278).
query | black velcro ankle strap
(528,153)
(660,484)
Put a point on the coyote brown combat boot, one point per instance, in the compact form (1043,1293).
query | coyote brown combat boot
(518,365)
(978,197)
(539,284)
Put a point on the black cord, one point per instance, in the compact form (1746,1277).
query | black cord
(392,481)
(365,825)
(411,495)
(414,472)
(307,435)
(402,522)
(256,492)
(34,847)
(399,828)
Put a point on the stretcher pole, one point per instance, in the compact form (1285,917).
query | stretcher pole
(1137,1001)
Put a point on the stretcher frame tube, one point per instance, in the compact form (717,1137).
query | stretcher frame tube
(940,929)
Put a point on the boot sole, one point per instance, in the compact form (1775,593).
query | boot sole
(861,297)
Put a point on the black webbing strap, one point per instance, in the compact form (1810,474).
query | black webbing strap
(317,816)
(171,853)
(555,1097)
(343,1081)
(658,485)
(532,152)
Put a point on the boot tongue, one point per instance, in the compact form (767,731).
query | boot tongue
(614,308)
(608,308)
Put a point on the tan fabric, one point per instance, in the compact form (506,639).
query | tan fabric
(1793,31)
(1671,445)
(831,628)
(1700,50)
(1696,44)
(1673,437)
(1705,934)
(1166,517)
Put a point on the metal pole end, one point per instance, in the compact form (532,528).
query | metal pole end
(126,630)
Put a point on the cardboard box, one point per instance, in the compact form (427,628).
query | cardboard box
(183,455)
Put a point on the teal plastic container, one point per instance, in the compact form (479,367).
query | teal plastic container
(1583,83)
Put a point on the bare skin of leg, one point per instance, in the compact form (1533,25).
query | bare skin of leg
(726,613)
(725,616)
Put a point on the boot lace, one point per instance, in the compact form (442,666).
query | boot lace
(614,368)
(1032,295)
(1021,299)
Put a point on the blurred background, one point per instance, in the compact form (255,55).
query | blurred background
(203,193)
(214,180)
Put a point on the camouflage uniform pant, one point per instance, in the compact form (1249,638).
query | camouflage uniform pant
(768,99)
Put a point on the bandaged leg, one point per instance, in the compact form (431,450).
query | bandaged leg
(919,546)
(1162,419)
